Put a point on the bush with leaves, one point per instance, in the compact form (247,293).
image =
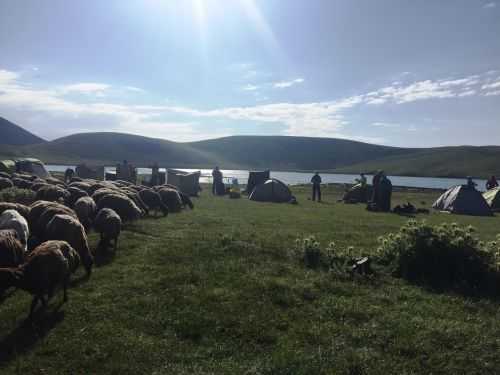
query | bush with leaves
(334,258)
(16,195)
(441,256)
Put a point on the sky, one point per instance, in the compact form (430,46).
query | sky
(394,72)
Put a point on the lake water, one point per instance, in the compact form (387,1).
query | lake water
(296,178)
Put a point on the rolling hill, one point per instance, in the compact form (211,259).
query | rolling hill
(12,134)
(261,152)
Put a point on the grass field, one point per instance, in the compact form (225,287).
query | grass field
(213,291)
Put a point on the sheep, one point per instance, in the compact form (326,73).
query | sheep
(171,199)
(55,181)
(45,269)
(98,194)
(74,195)
(22,209)
(123,206)
(48,214)
(69,253)
(85,209)
(11,249)
(137,200)
(52,193)
(100,185)
(5,175)
(69,229)
(108,223)
(5,183)
(82,185)
(186,200)
(11,219)
(21,183)
(153,200)
(35,186)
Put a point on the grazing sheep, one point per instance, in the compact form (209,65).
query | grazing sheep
(171,199)
(69,253)
(67,228)
(47,215)
(153,200)
(85,209)
(5,175)
(11,219)
(52,193)
(98,194)
(82,185)
(74,195)
(124,206)
(108,223)
(137,200)
(21,208)
(55,181)
(35,186)
(5,183)
(100,185)
(23,176)
(21,183)
(11,249)
(45,269)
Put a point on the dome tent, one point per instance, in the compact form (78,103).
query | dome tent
(492,197)
(463,200)
(256,178)
(271,191)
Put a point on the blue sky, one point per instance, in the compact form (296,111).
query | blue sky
(403,73)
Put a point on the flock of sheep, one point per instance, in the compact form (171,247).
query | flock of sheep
(42,244)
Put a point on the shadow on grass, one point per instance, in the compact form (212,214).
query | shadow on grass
(28,333)
(104,255)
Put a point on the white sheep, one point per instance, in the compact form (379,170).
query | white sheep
(11,219)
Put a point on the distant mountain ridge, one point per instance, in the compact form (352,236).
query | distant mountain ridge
(263,152)
(12,134)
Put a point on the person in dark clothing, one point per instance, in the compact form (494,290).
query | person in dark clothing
(384,194)
(155,174)
(491,183)
(316,188)
(217,180)
(470,183)
(68,175)
(375,183)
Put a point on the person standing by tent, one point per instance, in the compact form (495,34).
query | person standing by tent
(384,193)
(375,183)
(217,180)
(491,183)
(470,183)
(316,188)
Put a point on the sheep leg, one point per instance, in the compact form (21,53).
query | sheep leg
(116,242)
(65,287)
(34,302)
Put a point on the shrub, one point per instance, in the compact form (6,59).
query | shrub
(16,195)
(441,256)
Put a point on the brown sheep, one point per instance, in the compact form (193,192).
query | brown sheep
(171,199)
(47,215)
(82,185)
(153,200)
(98,194)
(11,249)
(108,223)
(45,269)
(67,228)
(5,183)
(22,209)
(35,186)
(21,183)
(74,195)
(52,193)
(122,205)
(69,253)
(85,209)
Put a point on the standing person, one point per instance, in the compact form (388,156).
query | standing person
(155,174)
(217,180)
(491,183)
(385,193)
(375,183)
(68,175)
(316,188)
(470,183)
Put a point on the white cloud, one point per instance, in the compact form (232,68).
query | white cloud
(386,125)
(492,93)
(250,87)
(493,85)
(84,88)
(285,84)
(489,5)
(135,89)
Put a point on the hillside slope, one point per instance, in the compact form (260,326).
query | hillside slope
(12,134)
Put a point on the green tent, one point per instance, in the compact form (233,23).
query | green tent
(492,197)
(463,200)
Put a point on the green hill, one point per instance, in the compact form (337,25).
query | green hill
(260,152)
(12,134)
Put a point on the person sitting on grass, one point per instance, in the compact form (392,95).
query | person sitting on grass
(491,183)
(316,188)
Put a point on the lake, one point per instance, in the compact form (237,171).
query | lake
(297,178)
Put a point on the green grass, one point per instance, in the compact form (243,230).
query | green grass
(212,291)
